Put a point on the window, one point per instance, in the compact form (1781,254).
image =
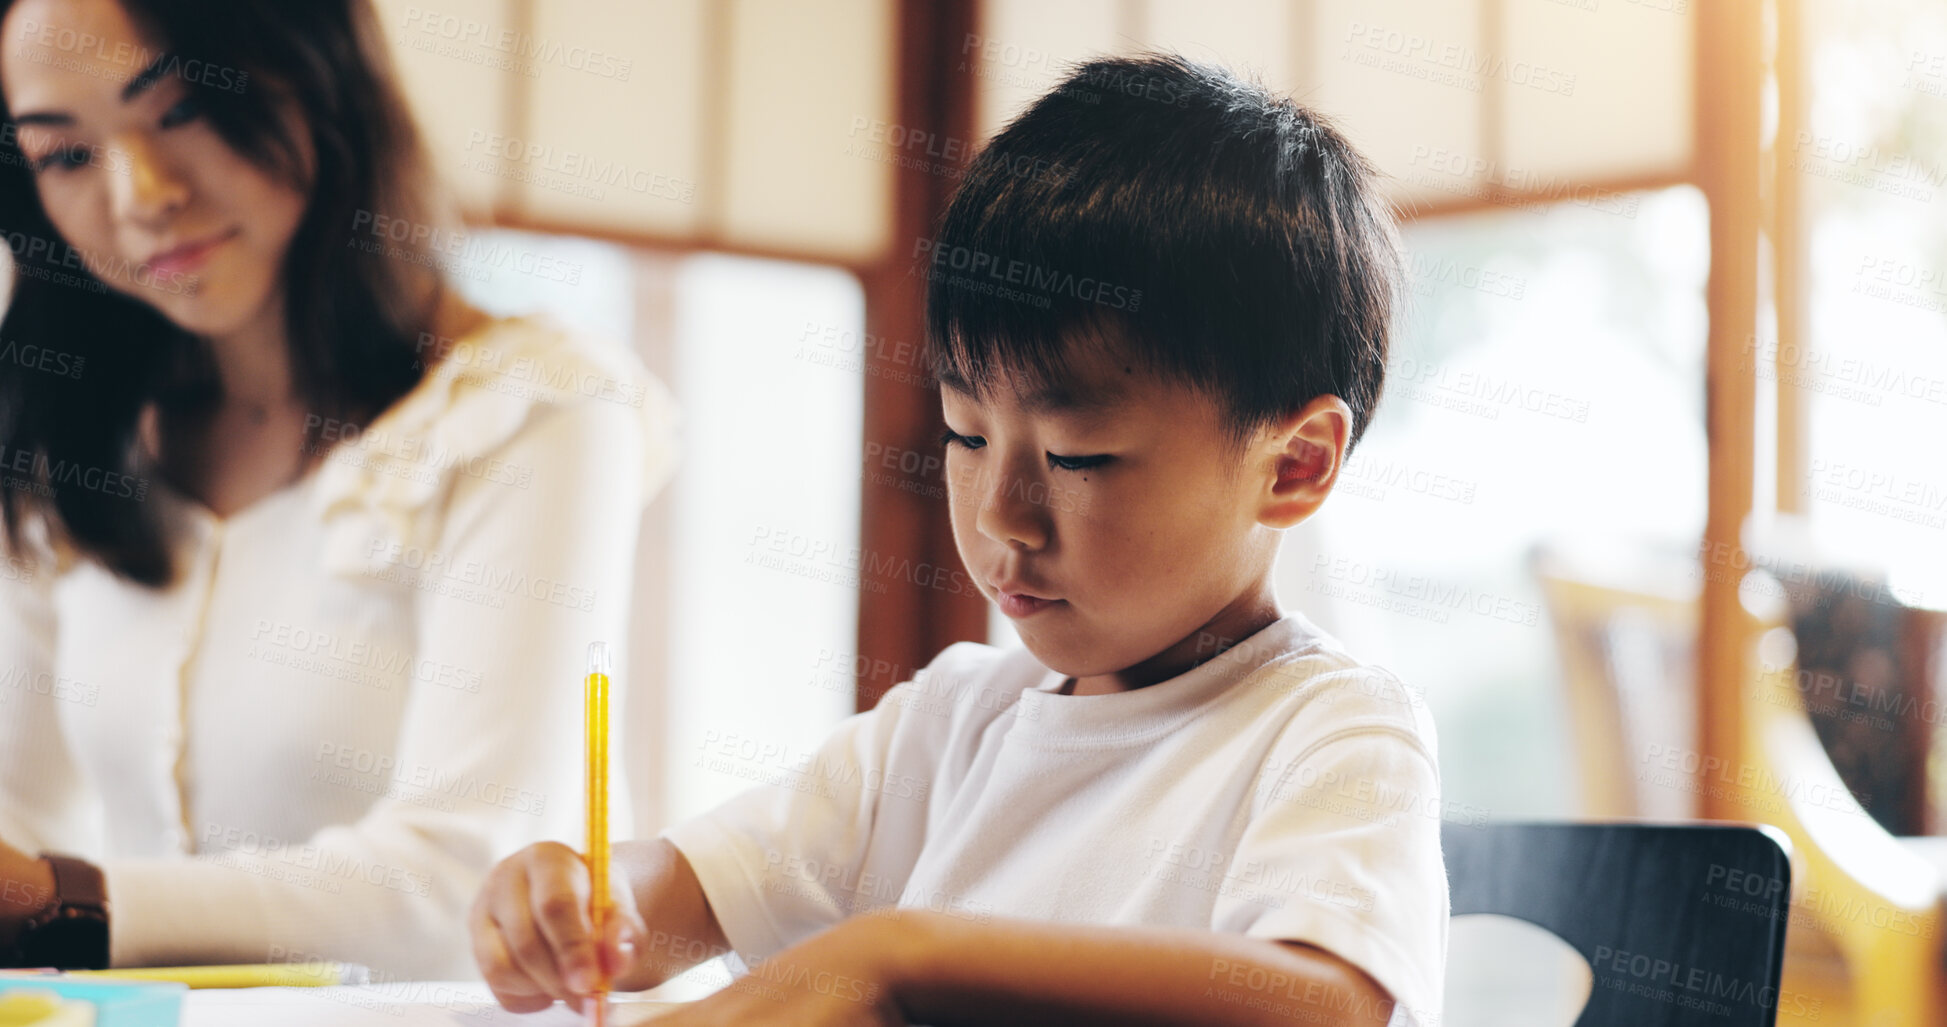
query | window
(746,600)
(1871,161)
(764,591)
(1544,389)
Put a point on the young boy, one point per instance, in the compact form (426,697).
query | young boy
(1179,804)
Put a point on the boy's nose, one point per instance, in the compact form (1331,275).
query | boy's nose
(1008,513)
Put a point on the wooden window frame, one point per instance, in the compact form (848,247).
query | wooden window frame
(904,618)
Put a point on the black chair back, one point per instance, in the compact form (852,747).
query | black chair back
(1682,924)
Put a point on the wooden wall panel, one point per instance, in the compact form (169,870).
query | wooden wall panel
(807,83)
(1597,93)
(617,106)
(457,82)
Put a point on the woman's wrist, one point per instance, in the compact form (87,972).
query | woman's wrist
(68,926)
(26,892)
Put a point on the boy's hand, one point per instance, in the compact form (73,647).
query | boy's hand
(532,935)
(841,977)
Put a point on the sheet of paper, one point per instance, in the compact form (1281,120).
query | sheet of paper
(428,1003)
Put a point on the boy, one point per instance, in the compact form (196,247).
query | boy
(1167,809)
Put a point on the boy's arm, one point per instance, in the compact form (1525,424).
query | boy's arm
(1029,972)
(682,929)
(915,966)
(530,926)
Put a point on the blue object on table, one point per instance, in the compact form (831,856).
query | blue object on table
(117,1003)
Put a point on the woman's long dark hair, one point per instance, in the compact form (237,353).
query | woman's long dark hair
(79,361)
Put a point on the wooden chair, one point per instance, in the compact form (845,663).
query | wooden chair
(1866,896)
(1626,638)
(1682,924)
(1865,945)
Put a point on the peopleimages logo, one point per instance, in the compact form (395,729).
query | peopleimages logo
(30,251)
(975,264)
(434,26)
(1687,985)
(74,44)
(35,468)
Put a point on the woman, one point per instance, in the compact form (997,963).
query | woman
(303,551)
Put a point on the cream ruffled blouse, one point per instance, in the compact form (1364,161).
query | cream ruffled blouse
(363,689)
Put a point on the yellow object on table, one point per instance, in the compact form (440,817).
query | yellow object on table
(254,975)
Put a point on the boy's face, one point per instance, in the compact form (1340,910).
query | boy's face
(1112,519)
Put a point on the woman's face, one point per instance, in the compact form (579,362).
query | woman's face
(134,177)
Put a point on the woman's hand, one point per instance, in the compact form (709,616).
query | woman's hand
(533,938)
(841,977)
(26,888)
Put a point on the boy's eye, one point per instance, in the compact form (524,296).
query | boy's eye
(954,438)
(187,109)
(1076,463)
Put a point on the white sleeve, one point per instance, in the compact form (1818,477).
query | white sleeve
(834,833)
(1343,852)
(45,803)
(417,864)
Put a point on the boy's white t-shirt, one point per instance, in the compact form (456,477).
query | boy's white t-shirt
(1280,790)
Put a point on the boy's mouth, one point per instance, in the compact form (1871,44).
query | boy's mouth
(1021,604)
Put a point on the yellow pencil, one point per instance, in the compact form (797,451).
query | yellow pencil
(598,897)
(257,975)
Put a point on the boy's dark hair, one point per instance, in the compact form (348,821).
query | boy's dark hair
(1225,236)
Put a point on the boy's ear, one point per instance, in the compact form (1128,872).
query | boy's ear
(1306,451)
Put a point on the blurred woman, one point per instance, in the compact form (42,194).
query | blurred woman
(303,551)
